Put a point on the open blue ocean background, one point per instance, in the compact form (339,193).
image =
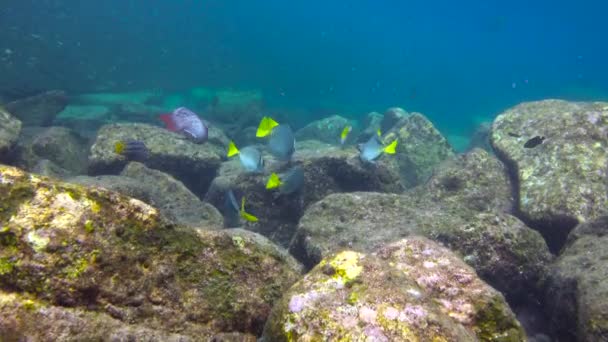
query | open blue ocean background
(458,62)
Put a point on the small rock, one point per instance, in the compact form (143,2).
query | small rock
(39,110)
(327,130)
(10,128)
(391,117)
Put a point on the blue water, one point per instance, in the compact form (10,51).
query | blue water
(458,62)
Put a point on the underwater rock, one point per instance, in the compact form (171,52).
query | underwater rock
(59,145)
(391,117)
(420,149)
(102,254)
(38,110)
(84,119)
(481,137)
(161,191)
(45,167)
(135,112)
(505,253)
(476,180)
(371,126)
(195,165)
(411,290)
(327,130)
(327,169)
(10,128)
(577,291)
(561,181)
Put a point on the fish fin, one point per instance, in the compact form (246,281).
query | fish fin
(168,120)
(273,181)
(265,127)
(119,147)
(245,215)
(392,147)
(379,132)
(232,150)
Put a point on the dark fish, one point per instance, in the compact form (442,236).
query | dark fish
(186,122)
(537,140)
(282,142)
(132,150)
(514,135)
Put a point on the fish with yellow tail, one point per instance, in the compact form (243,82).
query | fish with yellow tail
(234,211)
(344,135)
(250,157)
(374,148)
(288,183)
(282,141)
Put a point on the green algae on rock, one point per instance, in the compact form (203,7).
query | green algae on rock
(577,291)
(563,180)
(102,253)
(411,290)
(420,149)
(193,164)
(10,128)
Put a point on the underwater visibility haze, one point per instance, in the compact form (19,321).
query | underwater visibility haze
(232,170)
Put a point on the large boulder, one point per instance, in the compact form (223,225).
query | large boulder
(327,169)
(371,125)
(327,130)
(193,164)
(411,290)
(39,110)
(160,190)
(462,206)
(84,119)
(577,292)
(104,255)
(561,181)
(420,149)
(391,117)
(59,145)
(10,127)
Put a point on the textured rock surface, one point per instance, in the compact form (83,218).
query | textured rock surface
(411,290)
(462,206)
(391,117)
(39,110)
(327,130)
(327,169)
(476,180)
(506,253)
(106,254)
(10,127)
(59,145)
(420,149)
(193,164)
(577,294)
(563,180)
(160,190)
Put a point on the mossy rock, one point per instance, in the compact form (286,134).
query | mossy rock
(411,290)
(10,128)
(420,149)
(561,181)
(195,165)
(104,253)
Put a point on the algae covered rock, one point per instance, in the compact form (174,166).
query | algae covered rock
(476,180)
(10,127)
(561,181)
(505,253)
(577,292)
(105,254)
(60,145)
(327,169)
(160,190)
(411,290)
(193,164)
(420,149)
(327,130)
(39,110)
